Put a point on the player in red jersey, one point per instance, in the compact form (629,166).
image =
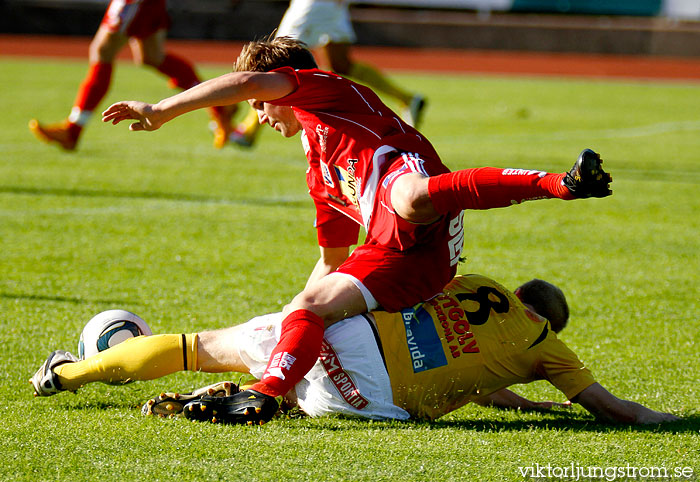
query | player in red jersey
(368,167)
(144,25)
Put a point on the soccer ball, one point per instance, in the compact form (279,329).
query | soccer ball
(109,328)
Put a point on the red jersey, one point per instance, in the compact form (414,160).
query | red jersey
(351,139)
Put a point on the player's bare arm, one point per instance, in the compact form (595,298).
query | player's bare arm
(328,262)
(605,405)
(226,89)
(507,399)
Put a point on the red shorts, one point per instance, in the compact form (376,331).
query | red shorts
(402,263)
(136,18)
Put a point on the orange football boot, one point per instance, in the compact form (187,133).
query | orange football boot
(64,134)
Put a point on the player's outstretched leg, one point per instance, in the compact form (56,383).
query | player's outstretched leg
(244,408)
(171,403)
(587,178)
(45,381)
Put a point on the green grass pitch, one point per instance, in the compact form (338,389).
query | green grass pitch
(192,238)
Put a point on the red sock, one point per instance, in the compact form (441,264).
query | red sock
(94,87)
(294,355)
(182,74)
(180,71)
(489,187)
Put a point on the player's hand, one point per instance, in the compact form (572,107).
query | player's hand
(548,405)
(649,416)
(145,115)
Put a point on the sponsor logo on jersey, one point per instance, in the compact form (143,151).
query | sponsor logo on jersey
(424,344)
(327,175)
(340,378)
(348,182)
(455,321)
(322,133)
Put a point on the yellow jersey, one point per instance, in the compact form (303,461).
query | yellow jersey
(473,339)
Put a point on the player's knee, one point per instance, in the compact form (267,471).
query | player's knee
(101,52)
(410,199)
(308,302)
(304,301)
(151,60)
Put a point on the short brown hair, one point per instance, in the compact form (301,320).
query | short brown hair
(270,54)
(547,300)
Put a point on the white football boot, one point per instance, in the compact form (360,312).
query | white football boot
(45,381)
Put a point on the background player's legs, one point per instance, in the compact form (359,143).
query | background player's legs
(151,51)
(247,130)
(181,74)
(338,58)
(103,50)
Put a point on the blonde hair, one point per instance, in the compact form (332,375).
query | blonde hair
(269,54)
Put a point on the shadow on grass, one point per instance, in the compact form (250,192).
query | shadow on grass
(689,424)
(151,195)
(555,420)
(65,299)
(104,405)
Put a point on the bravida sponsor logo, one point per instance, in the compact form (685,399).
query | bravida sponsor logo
(422,339)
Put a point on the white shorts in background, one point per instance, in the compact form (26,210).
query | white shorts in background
(349,377)
(317,22)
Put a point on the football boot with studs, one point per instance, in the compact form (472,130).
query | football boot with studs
(171,404)
(587,178)
(248,407)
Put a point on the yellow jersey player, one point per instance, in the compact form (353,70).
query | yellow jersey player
(467,344)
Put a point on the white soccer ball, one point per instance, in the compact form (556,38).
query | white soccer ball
(109,328)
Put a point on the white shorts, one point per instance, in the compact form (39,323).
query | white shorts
(349,376)
(317,22)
